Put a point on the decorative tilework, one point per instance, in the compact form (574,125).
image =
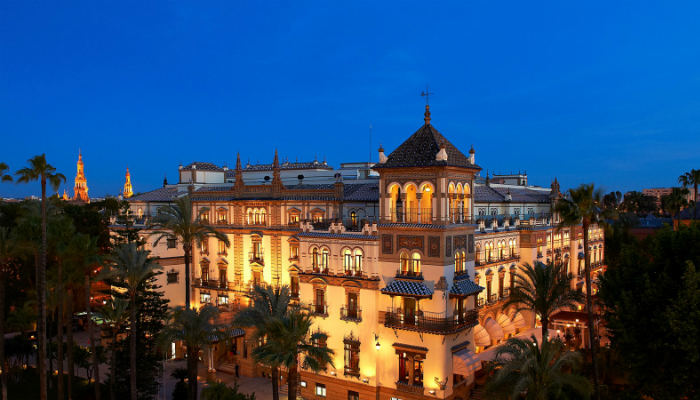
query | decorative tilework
(388,244)
(434,246)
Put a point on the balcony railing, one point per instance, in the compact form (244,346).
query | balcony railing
(461,274)
(352,371)
(319,310)
(352,273)
(257,256)
(506,294)
(480,303)
(351,314)
(428,322)
(409,274)
(211,283)
(412,216)
(493,298)
(318,269)
(496,259)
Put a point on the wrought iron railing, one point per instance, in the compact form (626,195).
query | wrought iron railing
(319,310)
(351,314)
(409,274)
(424,321)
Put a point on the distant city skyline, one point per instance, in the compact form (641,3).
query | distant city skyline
(603,93)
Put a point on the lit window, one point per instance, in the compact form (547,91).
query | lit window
(302,384)
(320,390)
(205,298)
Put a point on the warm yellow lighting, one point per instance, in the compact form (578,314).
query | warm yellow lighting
(377,345)
(576,319)
(432,392)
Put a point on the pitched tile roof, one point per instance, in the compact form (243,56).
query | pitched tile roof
(289,165)
(205,166)
(465,287)
(420,150)
(407,288)
(305,186)
(337,235)
(361,192)
(215,188)
(162,194)
(687,213)
(498,194)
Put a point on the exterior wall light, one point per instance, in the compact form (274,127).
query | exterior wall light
(376,339)
(432,392)
(365,380)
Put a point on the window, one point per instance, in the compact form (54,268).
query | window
(494,211)
(294,287)
(205,246)
(418,371)
(314,258)
(353,395)
(353,218)
(352,356)
(302,384)
(320,390)
(460,263)
(139,212)
(512,279)
(358,262)
(205,272)
(222,247)
(221,215)
(404,369)
(500,285)
(222,299)
(324,259)
(223,280)
(205,298)
(516,211)
(530,211)
(172,243)
(293,251)
(320,302)
(205,217)
(173,276)
(347,261)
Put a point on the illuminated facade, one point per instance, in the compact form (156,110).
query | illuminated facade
(128,192)
(80,188)
(405,263)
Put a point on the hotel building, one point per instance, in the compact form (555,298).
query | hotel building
(405,263)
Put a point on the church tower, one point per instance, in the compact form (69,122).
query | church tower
(127,185)
(81,188)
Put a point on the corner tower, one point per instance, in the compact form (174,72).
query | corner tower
(80,188)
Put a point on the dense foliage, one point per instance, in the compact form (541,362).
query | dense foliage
(651,293)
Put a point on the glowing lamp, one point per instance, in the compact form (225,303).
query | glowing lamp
(377,346)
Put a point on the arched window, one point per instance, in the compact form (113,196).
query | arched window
(358,262)
(314,258)
(347,261)
(262,217)
(477,253)
(249,219)
(458,263)
(139,212)
(403,259)
(353,218)
(501,250)
(415,261)
(324,260)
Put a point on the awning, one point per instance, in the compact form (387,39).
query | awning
(481,337)
(517,319)
(407,288)
(464,287)
(494,329)
(465,362)
(506,324)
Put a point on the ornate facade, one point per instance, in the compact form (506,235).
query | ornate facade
(405,263)
(81,188)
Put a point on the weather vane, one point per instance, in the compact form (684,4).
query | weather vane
(426,94)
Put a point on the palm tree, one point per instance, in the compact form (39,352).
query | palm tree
(44,172)
(86,253)
(266,303)
(10,250)
(115,317)
(196,330)
(543,289)
(60,234)
(4,177)
(130,268)
(691,178)
(22,319)
(73,277)
(531,370)
(291,343)
(178,222)
(583,206)
(676,201)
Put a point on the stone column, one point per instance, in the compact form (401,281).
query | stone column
(419,197)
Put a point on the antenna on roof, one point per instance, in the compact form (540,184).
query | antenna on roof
(370,144)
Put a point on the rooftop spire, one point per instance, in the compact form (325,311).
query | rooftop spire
(238,162)
(276,161)
(427,115)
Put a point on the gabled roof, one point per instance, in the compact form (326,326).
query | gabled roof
(361,192)
(407,288)
(465,287)
(420,150)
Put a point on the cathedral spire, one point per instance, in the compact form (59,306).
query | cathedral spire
(128,192)
(427,115)
(81,188)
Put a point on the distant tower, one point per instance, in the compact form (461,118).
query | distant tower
(65,195)
(81,188)
(127,185)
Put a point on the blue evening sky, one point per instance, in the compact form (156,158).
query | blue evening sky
(604,92)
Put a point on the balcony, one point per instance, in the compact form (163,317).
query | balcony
(319,269)
(352,315)
(496,259)
(412,216)
(222,221)
(352,371)
(408,388)
(409,274)
(211,284)
(352,273)
(461,274)
(428,322)
(319,310)
(493,299)
(257,256)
